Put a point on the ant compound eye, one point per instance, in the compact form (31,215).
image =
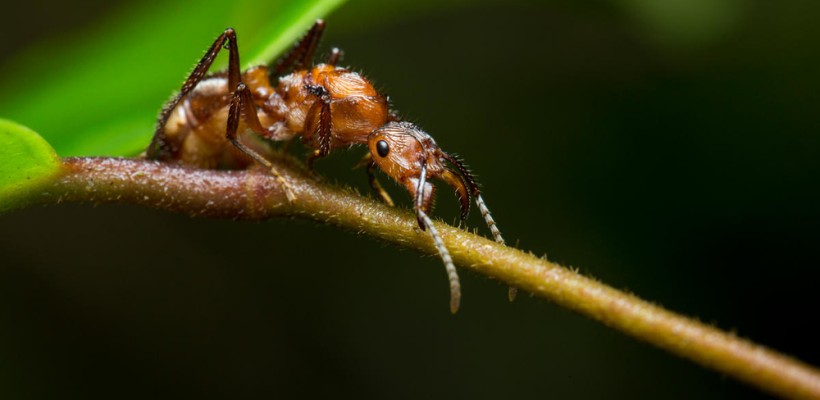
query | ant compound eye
(382,148)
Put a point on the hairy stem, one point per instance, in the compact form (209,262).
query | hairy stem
(255,194)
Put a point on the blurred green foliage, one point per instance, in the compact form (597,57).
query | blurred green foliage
(27,161)
(98,91)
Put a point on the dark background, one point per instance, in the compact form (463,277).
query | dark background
(669,152)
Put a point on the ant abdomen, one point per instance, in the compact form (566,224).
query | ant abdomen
(194,133)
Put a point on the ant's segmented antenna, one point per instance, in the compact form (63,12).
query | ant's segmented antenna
(420,192)
(426,224)
(485,212)
(482,207)
(452,274)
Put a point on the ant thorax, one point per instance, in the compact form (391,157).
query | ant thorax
(357,109)
(195,129)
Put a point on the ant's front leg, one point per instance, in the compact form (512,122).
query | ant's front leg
(159,147)
(367,161)
(324,127)
(376,186)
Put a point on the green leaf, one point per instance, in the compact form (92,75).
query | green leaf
(98,92)
(26,163)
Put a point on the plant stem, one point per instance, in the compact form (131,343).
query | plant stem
(254,194)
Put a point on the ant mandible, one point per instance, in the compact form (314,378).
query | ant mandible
(215,120)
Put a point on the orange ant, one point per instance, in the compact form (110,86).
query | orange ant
(213,120)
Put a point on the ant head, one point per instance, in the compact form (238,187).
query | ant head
(410,156)
(401,148)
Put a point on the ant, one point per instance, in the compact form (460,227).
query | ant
(215,121)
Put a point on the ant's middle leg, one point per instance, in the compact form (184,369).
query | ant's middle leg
(242,106)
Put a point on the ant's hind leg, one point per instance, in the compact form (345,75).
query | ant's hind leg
(159,148)
(242,105)
(300,55)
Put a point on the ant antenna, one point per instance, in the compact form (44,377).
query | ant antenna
(482,207)
(479,201)
(420,190)
(426,224)
(452,275)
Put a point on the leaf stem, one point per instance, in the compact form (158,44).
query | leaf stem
(253,194)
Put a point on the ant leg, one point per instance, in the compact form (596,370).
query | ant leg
(242,106)
(301,53)
(370,166)
(159,148)
(311,159)
(376,186)
(323,134)
(335,55)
